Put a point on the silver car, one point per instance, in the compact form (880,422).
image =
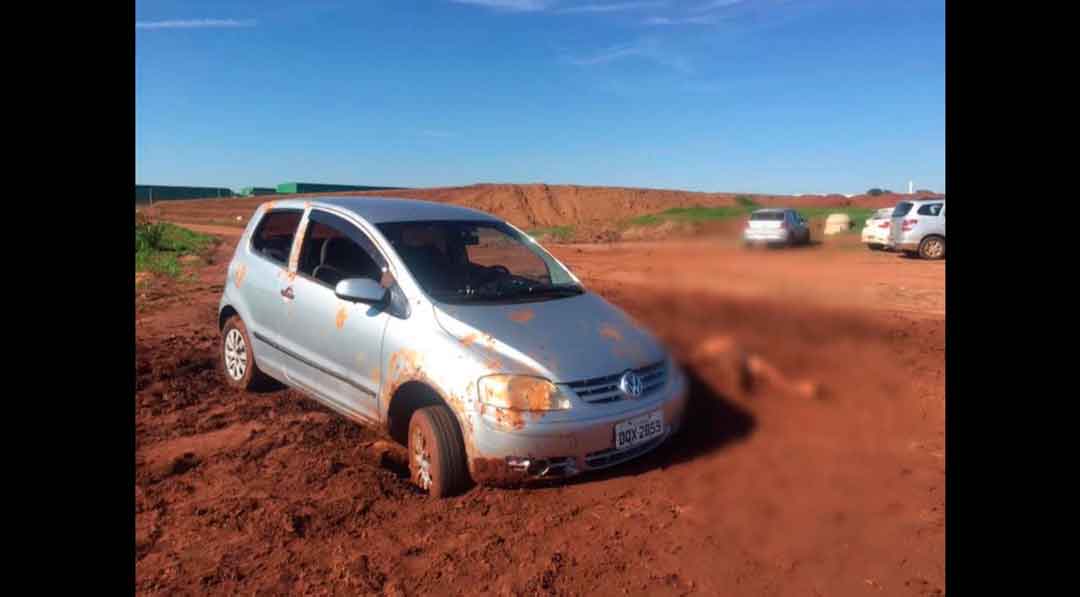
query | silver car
(918,228)
(452,330)
(776,226)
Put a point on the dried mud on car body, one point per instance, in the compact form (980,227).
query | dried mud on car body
(764,493)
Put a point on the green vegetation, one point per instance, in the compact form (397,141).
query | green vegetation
(690,214)
(858,215)
(561,233)
(746,205)
(746,201)
(159,246)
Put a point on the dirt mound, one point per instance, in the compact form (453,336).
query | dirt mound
(528,205)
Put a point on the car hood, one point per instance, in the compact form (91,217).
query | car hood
(564,339)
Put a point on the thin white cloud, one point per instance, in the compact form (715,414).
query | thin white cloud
(617,7)
(646,49)
(510,5)
(193,24)
(715,4)
(436,134)
(608,55)
(702,20)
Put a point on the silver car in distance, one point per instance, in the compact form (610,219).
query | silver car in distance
(780,226)
(450,329)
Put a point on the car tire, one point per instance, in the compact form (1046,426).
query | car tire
(932,247)
(237,358)
(874,246)
(437,452)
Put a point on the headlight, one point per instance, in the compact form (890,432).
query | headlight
(521,392)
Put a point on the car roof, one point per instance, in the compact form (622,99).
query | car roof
(768,209)
(377,209)
(927,200)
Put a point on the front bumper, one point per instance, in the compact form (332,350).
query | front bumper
(566,448)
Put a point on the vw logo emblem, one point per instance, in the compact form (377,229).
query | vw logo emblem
(631,385)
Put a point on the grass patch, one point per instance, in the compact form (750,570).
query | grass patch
(688,214)
(159,246)
(746,205)
(746,201)
(562,233)
(858,215)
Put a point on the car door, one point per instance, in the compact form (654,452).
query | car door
(336,343)
(931,220)
(260,275)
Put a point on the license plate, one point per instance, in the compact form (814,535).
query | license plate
(638,430)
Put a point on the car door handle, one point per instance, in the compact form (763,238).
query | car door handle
(287,292)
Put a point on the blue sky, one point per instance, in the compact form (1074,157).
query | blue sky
(767,96)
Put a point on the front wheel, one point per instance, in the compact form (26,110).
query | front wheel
(437,452)
(932,247)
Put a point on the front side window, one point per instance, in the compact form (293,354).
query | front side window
(335,250)
(273,238)
(470,261)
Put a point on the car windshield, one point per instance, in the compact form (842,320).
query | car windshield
(478,261)
(767,216)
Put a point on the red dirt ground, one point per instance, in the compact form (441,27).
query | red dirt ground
(813,463)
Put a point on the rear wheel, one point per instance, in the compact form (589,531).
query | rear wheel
(237,359)
(437,452)
(874,246)
(932,247)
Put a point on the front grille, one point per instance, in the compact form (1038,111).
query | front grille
(598,390)
(611,457)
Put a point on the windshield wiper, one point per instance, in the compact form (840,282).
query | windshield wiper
(546,289)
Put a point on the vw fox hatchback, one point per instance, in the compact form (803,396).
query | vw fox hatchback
(453,330)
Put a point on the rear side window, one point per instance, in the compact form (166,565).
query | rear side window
(767,216)
(274,237)
(902,209)
(930,209)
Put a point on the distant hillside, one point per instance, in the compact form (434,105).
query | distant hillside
(540,205)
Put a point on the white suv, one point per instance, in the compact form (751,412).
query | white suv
(918,228)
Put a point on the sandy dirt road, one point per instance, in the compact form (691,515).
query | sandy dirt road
(825,476)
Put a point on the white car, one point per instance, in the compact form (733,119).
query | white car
(875,234)
(918,228)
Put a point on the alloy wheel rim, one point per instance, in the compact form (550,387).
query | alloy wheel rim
(421,460)
(235,354)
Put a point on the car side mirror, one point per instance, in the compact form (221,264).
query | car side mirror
(361,290)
